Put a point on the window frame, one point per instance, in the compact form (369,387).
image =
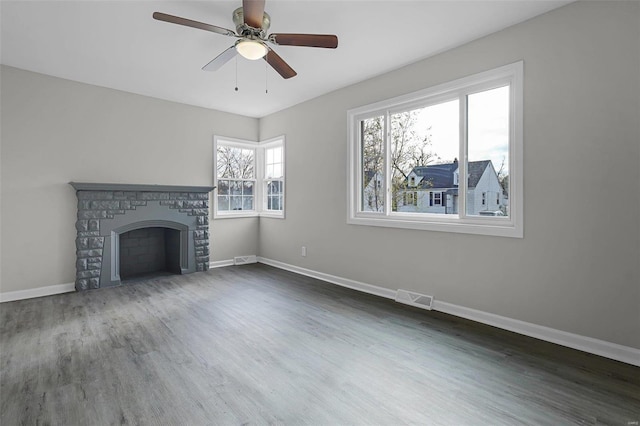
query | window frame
(259,180)
(507,226)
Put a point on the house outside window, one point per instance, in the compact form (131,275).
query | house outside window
(249,178)
(413,142)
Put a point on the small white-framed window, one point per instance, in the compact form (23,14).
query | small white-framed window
(273,183)
(477,119)
(249,177)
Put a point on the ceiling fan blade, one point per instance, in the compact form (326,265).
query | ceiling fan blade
(279,65)
(194,24)
(253,10)
(310,40)
(221,59)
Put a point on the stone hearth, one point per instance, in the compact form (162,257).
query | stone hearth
(106,211)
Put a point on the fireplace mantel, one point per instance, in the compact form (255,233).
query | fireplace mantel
(89,186)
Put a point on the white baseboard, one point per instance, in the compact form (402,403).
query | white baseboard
(10,296)
(344,282)
(575,341)
(220,263)
(603,348)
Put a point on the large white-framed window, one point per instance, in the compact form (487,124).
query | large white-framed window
(249,177)
(457,147)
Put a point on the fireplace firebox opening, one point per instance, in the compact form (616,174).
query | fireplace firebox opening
(149,251)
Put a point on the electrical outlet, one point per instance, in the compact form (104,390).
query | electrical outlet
(303,252)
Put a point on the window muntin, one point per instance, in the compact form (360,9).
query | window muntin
(500,157)
(249,178)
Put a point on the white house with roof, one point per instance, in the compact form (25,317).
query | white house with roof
(372,192)
(434,189)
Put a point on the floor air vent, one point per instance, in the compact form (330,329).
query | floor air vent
(414,299)
(243,260)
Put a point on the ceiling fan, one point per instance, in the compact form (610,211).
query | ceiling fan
(252,23)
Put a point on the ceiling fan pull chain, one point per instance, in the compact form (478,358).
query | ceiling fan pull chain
(266,78)
(236,73)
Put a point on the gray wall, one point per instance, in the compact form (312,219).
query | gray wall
(577,268)
(55,131)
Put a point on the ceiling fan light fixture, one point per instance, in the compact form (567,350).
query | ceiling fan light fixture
(251,49)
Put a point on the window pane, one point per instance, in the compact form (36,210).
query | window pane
(235,202)
(236,188)
(273,161)
(223,202)
(247,188)
(233,162)
(274,203)
(276,187)
(278,154)
(223,187)
(488,150)
(277,170)
(247,203)
(372,151)
(274,195)
(424,151)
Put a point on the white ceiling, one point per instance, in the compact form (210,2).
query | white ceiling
(117,44)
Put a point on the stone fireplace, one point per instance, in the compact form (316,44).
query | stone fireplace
(126,230)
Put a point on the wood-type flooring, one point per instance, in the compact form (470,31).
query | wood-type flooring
(257,345)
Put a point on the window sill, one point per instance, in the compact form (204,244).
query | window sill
(247,214)
(272,215)
(493,227)
(234,215)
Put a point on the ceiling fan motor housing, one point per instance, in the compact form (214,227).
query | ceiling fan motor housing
(245,30)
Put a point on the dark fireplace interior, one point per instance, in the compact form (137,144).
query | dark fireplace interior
(149,251)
